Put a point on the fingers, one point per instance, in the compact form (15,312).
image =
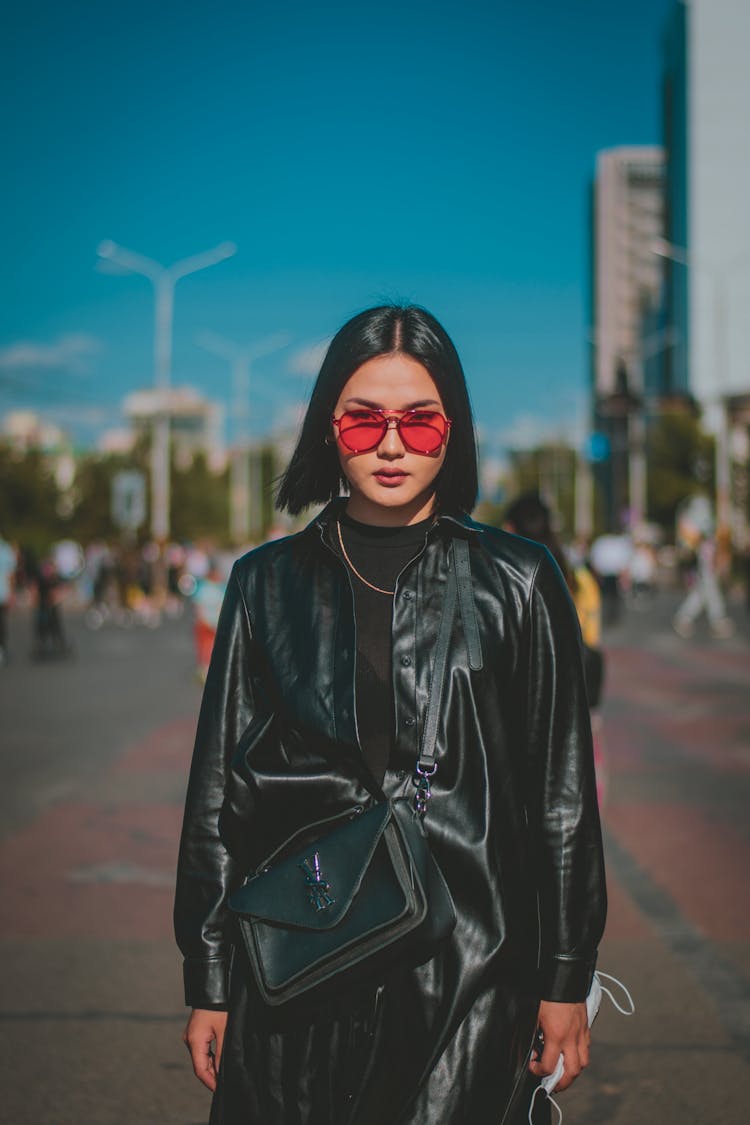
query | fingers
(572,1063)
(575,1052)
(584,1049)
(199,1035)
(202,1060)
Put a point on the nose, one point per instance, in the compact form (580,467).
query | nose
(391,445)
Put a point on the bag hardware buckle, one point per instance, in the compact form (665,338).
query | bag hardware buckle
(422,781)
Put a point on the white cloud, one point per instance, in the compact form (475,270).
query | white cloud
(307,360)
(70,352)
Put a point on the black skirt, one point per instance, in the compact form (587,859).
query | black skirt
(368,1058)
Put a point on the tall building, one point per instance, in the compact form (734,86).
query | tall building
(707,109)
(628,219)
(672,367)
(627,277)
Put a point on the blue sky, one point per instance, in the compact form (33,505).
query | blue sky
(436,152)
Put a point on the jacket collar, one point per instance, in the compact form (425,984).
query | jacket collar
(334,508)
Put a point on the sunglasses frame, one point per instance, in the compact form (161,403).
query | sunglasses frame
(396,417)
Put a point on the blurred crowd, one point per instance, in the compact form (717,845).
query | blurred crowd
(129,584)
(121,585)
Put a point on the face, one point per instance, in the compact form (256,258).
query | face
(390,485)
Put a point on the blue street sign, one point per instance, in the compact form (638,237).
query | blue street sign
(598,447)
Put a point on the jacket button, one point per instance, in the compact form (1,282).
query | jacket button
(408,595)
(406,661)
(409,722)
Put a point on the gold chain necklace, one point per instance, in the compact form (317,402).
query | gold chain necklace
(352,567)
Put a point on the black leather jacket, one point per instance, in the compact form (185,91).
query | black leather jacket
(513,820)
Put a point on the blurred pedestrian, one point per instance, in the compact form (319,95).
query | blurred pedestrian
(8,564)
(611,556)
(207,599)
(705,595)
(531,517)
(705,552)
(315,706)
(49,635)
(642,572)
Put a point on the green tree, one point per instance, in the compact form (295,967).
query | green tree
(29,498)
(548,469)
(199,502)
(91,516)
(680,463)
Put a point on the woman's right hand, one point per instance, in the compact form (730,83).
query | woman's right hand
(204,1028)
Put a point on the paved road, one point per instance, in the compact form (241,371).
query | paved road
(95,753)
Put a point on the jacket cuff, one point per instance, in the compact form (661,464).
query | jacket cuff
(566,980)
(205,982)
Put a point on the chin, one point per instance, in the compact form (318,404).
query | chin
(394,497)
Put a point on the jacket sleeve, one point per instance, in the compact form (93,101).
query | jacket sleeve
(561,798)
(206,872)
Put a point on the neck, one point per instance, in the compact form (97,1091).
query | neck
(360,508)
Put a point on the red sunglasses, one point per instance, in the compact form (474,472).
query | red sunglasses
(421,431)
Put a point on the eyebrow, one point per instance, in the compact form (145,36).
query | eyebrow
(376,405)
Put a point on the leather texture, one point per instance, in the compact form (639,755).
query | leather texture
(383,899)
(513,825)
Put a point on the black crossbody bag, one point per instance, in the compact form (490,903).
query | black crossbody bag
(364,893)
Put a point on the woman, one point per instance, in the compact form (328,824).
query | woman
(327,715)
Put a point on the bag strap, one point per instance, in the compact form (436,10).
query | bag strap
(426,767)
(432,718)
(459,589)
(459,592)
(466,603)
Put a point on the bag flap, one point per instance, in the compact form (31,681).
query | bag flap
(314,887)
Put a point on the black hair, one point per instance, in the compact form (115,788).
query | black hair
(530,517)
(314,475)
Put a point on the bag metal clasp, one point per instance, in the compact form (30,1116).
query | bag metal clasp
(422,782)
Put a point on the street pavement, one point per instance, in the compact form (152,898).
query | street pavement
(95,754)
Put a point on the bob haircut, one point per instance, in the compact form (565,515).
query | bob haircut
(314,475)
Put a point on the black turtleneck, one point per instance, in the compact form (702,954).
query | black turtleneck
(379,554)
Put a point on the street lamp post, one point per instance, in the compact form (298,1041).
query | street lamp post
(637,464)
(163,279)
(241,360)
(630,405)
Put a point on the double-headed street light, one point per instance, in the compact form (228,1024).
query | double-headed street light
(163,279)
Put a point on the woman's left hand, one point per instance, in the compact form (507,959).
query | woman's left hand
(565,1028)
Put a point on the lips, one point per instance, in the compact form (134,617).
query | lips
(390,478)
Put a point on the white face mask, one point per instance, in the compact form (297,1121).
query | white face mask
(593,1002)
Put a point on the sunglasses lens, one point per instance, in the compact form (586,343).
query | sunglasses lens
(423,432)
(361,430)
